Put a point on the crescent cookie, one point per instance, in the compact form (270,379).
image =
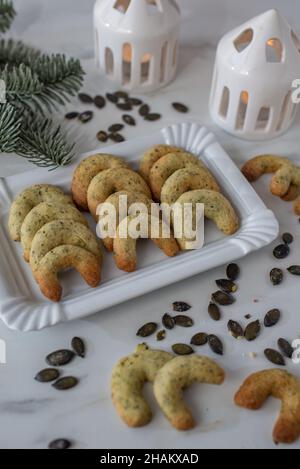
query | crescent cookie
(125,247)
(128,379)
(121,212)
(167,165)
(152,155)
(110,181)
(174,377)
(185,180)
(281,385)
(87,170)
(263,164)
(286,176)
(64,257)
(30,198)
(58,233)
(43,214)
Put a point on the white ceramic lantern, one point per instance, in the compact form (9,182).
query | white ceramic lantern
(256,65)
(137,42)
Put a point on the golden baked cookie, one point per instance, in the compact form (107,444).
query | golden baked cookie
(292,194)
(128,379)
(30,198)
(151,156)
(185,180)
(43,214)
(110,181)
(282,180)
(263,164)
(174,377)
(125,247)
(87,170)
(281,385)
(167,165)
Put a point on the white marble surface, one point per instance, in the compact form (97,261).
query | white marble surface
(33,414)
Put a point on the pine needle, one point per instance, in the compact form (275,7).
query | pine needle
(10,125)
(7,14)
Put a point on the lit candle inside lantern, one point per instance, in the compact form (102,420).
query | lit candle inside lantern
(245,97)
(127,60)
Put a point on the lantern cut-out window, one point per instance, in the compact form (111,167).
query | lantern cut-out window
(163,61)
(145,67)
(263,118)
(224,106)
(109,61)
(127,60)
(274,51)
(122,5)
(244,40)
(152,7)
(242,110)
(296,40)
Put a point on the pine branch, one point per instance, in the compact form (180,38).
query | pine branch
(7,14)
(14,53)
(10,125)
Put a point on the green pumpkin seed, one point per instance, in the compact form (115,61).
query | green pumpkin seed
(115,128)
(182,349)
(161,335)
(274,357)
(129,120)
(272,318)
(124,106)
(121,94)
(144,110)
(227,285)
(118,138)
(147,330)
(294,270)
(287,238)
(86,117)
(72,115)
(64,384)
(222,298)
(60,358)
(99,102)
(179,107)
(233,272)
(235,329)
(183,321)
(78,346)
(214,312)
(276,276)
(168,321)
(181,307)
(102,136)
(112,98)
(285,348)
(85,98)
(199,339)
(252,331)
(60,444)
(215,344)
(282,251)
(135,101)
(47,375)
(152,117)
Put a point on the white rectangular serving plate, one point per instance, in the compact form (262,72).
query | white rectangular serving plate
(22,306)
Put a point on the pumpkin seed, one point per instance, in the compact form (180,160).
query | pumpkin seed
(222,298)
(152,117)
(135,101)
(215,344)
(112,98)
(181,306)
(47,375)
(276,276)
(60,358)
(85,98)
(285,348)
(214,312)
(182,349)
(180,107)
(86,117)
(72,115)
(115,137)
(99,102)
(124,106)
(287,238)
(161,335)
(183,321)
(235,329)
(78,346)
(129,120)
(60,444)
(144,110)
(116,128)
(248,316)
(294,270)
(233,272)
(102,136)
(147,330)
(121,94)
(199,339)
(252,331)
(227,285)
(274,357)
(282,251)
(64,384)
(168,321)
(272,318)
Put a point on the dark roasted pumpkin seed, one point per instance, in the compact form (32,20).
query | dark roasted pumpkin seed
(86,117)
(64,384)
(85,98)
(285,348)
(235,329)
(222,298)
(272,318)
(276,276)
(60,444)
(72,115)
(214,312)
(215,344)
(102,136)
(116,128)
(179,107)
(252,331)
(294,270)
(287,238)
(60,357)
(168,321)
(112,98)
(78,346)
(274,357)
(182,349)
(282,251)
(115,137)
(227,285)
(233,272)
(135,101)
(181,306)
(147,330)
(121,94)
(99,102)
(144,110)
(161,335)
(152,117)
(124,106)
(248,316)
(199,339)
(129,120)
(183,321)
(47,375)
